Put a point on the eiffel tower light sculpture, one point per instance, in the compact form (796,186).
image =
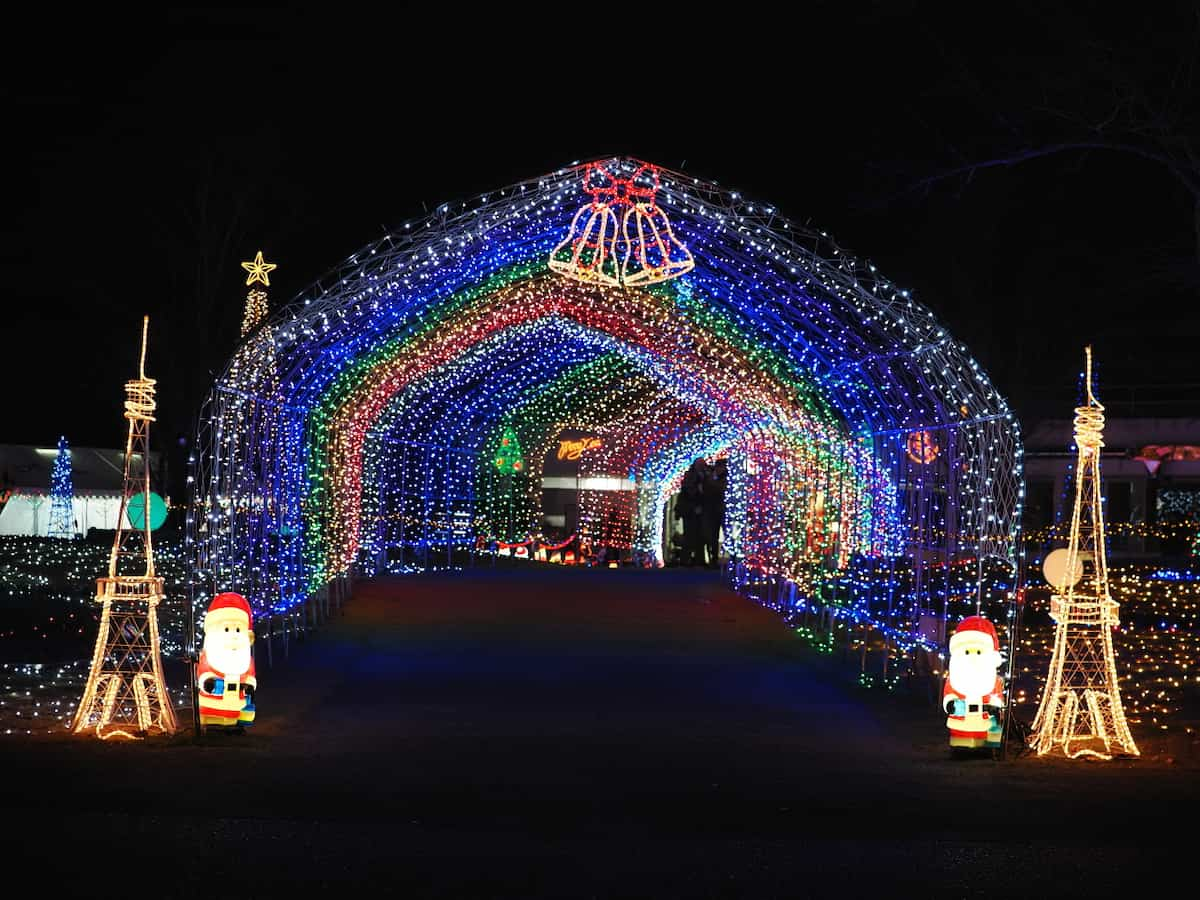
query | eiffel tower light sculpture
(125,695)
(1081,712)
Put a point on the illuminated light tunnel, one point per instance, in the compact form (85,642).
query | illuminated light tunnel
(403,407)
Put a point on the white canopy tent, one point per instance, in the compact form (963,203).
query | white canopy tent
(97,476)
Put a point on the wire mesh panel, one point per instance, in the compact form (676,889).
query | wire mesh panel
(421,508)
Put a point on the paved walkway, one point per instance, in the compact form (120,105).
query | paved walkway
(581,733)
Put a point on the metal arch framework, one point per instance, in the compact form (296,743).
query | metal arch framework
(389,379)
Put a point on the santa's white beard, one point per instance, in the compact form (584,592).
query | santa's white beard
(229,660)
(973,676)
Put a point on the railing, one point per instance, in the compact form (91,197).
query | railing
(1084,612)
(129,587)
(306,616)
(889,653)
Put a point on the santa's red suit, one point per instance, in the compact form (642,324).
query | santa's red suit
(971,725)
(226,698)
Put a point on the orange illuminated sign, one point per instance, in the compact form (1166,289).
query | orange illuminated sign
(573,449)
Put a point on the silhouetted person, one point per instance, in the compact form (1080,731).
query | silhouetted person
(691,498)
(713,509)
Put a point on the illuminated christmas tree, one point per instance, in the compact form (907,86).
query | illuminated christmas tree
(62,494)
(508,455)
(509,462)
(259,272)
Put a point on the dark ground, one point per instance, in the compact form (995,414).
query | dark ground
(581,734)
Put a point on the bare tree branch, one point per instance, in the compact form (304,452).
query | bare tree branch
(1190,180)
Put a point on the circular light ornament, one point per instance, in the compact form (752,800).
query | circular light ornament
(922,447)
(1054,568)
(135,511)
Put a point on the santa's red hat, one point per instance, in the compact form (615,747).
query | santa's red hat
(230,600)
(971,629)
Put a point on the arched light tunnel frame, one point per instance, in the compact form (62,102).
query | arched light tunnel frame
(821,353)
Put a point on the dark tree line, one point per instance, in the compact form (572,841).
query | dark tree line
(1061,161)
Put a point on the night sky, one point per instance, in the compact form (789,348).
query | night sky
(148,156)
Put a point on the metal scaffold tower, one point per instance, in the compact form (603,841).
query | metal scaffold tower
(1080,712)
(125,695)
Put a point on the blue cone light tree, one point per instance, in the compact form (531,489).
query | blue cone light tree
(62,494)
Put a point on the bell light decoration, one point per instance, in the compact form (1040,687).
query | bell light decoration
(652,252)
(589,251)
(639,250)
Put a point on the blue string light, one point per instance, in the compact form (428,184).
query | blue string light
(852,367)
(62,494)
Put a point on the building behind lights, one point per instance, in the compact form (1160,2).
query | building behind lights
(1150,468)
(97,476)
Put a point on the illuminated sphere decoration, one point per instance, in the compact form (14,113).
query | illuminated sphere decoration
(135,511)
(665,317)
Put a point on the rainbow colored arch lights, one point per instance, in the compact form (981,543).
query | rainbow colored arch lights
(663,315)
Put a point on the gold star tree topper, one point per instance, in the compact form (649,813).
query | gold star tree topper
(258,270)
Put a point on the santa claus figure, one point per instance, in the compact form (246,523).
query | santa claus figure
(225,674)
(974,694)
